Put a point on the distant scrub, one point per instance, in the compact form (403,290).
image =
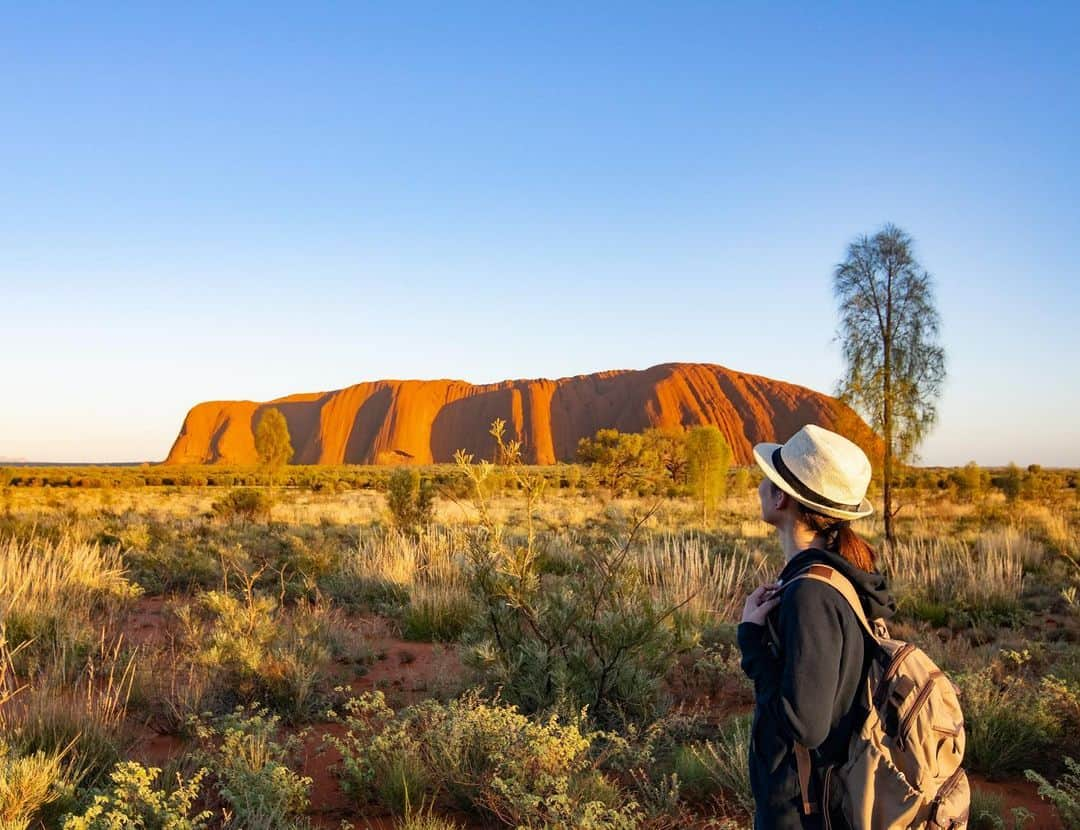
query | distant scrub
(248,504)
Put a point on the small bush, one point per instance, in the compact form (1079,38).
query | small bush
(27,784)
(253,651)
(252,770)
(134,801)
(245,504)
(411,499)
(725,766)
(1064,793)
(1010,723)
(381,759)
(489,757)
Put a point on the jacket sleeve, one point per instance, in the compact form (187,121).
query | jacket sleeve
(758,662)
(811,634)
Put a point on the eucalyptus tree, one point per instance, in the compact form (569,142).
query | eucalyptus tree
(889,329)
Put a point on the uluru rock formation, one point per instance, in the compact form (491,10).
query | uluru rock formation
(425,421)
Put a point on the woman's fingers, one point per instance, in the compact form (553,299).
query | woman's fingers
(763,592)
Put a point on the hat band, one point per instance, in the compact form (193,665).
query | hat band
(803,490)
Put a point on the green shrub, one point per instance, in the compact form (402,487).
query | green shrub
(596,639)
(1010,723)
(252,770)
(28,783)
(254,651)
(493,760)
(133,801)
(246,504)
(411,499)
(1064,793)
(381,759)
(725,766)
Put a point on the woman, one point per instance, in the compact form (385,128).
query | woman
(809,658)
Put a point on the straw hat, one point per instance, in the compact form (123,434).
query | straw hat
(819,469)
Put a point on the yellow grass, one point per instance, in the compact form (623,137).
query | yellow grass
(682,567)
(62,579)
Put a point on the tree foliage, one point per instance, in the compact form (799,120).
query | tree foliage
(654,461)
(708,458)
(272,441)
(888,333)
(411,499)
(615,458)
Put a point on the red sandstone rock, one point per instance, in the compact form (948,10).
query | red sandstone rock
(425,421)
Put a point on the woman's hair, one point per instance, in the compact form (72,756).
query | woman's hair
(840,538)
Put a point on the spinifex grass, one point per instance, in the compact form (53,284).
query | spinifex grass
(53,592)
(948,581)
(680,568)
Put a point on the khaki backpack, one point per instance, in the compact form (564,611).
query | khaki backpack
(903,766)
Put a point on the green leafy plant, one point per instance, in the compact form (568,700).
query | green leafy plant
(252,770)
(1010,722)
(486,755)
(381,758)
(135,800)
(595,639)
(411,499)
(1063,793)
(28,783)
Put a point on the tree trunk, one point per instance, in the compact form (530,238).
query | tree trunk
(887,424)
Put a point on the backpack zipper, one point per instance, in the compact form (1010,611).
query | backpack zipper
(920,701)
(825,798)
(890,671)
(949,785)
(943,793)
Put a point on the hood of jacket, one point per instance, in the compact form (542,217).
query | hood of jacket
(874,591)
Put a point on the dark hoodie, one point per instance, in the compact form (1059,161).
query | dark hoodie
(808,691)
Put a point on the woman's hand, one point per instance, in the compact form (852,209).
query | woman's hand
(760,603)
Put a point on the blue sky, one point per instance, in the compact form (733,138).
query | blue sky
(203,202)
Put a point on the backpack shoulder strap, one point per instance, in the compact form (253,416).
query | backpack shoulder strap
(833,577)
(839,582)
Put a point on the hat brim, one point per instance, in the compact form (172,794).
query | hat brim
(763,456)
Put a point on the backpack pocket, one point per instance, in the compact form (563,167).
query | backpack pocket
(950,807)
(876,793)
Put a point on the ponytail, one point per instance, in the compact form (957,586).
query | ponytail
(840,538)
(854,548)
